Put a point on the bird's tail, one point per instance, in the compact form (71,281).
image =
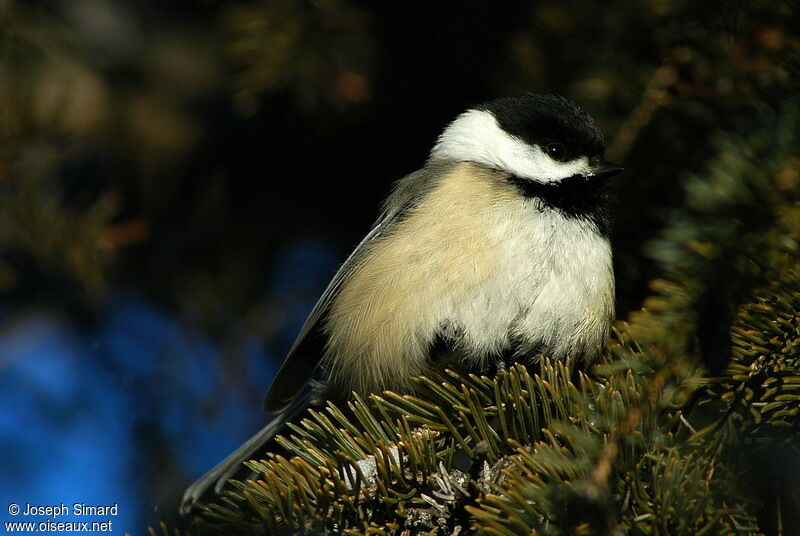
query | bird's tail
(233,466)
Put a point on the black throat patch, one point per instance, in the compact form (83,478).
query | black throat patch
(574,197)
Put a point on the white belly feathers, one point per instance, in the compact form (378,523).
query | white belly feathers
(517,273)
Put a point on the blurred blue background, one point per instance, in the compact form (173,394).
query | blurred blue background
(123,411)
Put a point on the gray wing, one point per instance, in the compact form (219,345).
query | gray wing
(307,351)
(233,465)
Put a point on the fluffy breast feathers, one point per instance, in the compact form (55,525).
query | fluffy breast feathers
(478,262)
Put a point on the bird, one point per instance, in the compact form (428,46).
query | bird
(496,249)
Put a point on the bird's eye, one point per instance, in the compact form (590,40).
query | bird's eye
(556,151)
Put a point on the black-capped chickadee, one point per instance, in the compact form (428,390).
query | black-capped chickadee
(498,247)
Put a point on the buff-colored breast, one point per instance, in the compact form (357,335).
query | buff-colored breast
(477,257)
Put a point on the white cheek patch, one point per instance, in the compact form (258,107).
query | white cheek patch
(522,160)
(475,136)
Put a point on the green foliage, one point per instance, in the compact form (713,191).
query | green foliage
(759,393)
(534,444)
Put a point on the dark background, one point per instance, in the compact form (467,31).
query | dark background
(179,180)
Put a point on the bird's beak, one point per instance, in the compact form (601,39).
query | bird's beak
(604,170)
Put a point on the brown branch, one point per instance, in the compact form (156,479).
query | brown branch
(655,95)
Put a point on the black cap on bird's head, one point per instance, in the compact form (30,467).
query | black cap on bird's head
(549,119)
